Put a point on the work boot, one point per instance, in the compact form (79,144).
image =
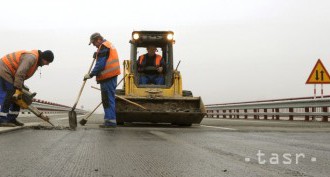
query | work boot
(17,123)
(108,125)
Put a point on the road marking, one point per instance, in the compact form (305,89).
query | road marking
(29,124)
(313,159)
(261,121)
(256,121)
(224,128)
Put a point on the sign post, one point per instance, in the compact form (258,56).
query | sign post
(314,91)
(321,90)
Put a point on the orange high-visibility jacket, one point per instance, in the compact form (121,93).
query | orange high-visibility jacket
(12,62)
(158,59)
(112,66)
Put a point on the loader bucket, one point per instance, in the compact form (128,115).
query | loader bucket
(177,111)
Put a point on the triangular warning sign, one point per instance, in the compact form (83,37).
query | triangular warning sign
(319,74)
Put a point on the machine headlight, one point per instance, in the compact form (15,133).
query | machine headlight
(136,36)
(170,37)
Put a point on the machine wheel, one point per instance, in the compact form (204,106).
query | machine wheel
(120,92)
(187,93)
(120,123)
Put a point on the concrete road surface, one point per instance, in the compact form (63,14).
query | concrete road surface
(219,147)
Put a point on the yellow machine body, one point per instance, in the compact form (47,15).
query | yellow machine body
(167,103)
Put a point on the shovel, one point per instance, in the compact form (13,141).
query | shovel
(72,113)
(84,120)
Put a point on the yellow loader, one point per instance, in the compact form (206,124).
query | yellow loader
(166,103)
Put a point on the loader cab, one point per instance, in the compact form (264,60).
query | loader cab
(163,41)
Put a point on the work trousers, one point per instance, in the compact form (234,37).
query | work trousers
(108,91)
(8,109)
(152,79)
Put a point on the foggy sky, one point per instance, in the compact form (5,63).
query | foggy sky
(230,50)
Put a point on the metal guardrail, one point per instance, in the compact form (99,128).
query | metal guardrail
(50,108)
(307,107)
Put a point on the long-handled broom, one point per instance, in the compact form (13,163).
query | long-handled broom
(84,120)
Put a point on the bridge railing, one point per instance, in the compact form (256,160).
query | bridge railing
(293,108)
(49,108)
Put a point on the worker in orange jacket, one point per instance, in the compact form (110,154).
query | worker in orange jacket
(106,70)
(15,68)
(151,67)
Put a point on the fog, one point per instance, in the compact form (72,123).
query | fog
(230,51)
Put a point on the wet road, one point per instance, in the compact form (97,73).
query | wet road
(216,148)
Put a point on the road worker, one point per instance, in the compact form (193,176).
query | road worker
(15,68)
(151,67)
(106,70)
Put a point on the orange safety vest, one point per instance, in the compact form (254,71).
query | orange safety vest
(158,59)
(12,61)
(112,66)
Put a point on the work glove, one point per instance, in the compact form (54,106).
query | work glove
(18,94)
(87,76)
(160,69)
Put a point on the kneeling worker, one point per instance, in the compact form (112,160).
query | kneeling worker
(15,68)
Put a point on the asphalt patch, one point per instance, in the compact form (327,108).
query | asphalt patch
(41,127)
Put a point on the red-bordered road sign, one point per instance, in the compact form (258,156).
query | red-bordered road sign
(319,75)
